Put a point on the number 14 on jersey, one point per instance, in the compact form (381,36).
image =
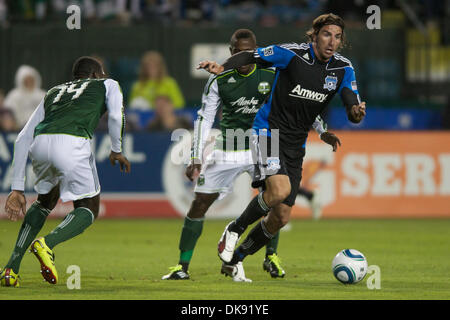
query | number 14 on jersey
(71,89)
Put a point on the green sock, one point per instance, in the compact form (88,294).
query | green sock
(272,245)
(192,230)
(32,224)
(73,224)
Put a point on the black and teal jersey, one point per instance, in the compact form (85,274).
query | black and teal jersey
(302,89)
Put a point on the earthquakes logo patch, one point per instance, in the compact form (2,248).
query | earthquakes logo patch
(263,87)
(330,83)
(268,51)
(273,164)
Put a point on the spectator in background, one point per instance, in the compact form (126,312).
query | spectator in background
(7,121)
(3,13)
(154,81)
(165,118)
(26,96)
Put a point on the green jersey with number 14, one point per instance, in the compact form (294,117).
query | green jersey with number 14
(75,108)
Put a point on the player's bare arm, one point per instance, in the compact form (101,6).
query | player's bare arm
(331,139)
(15,203)
(123,161)
(211,66)
(235,61)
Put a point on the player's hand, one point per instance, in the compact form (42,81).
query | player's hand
(331,139)
(15,203)
(193,171)
(358,112)
(123,161)
(211,67)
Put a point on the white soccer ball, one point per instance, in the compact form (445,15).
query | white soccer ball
(349,266)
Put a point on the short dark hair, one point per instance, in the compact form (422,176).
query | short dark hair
(242,34)
(85,66)
(325,20)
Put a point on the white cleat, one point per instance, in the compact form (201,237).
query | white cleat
(316,207)
(227,243)
(235,271)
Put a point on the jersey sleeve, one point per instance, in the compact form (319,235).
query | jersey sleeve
(205,119)
(349,89)
(22,146)
(275,55)
(116,116)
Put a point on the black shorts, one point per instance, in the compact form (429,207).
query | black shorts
(270,161)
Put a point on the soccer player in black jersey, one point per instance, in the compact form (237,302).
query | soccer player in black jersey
(308,75)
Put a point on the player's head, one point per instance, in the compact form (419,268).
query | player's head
(242,40)
(87,67)
(327,35)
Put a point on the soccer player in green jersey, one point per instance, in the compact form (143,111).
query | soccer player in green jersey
(57,139)
(240,93)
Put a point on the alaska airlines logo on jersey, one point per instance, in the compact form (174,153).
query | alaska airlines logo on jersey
(330,83)
(245,102)
(263,87)
(302,93)
(247,106)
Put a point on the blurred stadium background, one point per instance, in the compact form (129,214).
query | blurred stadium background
(394,164)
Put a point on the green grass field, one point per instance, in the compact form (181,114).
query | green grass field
(125,259)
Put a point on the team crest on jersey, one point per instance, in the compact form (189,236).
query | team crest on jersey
(330,83)
(201,180)
(263,87)
(273,164)
(268,51)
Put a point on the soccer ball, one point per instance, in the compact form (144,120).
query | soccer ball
(349,266)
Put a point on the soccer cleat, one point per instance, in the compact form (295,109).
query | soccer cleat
(235,271)
(316,207)
(46,258)
(272,264)
(227,243)
(8,278)
(176,273)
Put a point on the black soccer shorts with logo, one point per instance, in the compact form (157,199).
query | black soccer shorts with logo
(272,159)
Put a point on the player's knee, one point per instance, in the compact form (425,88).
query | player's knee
(93,204)
(198,209)
(201,204)
(278,194)
(50,199)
